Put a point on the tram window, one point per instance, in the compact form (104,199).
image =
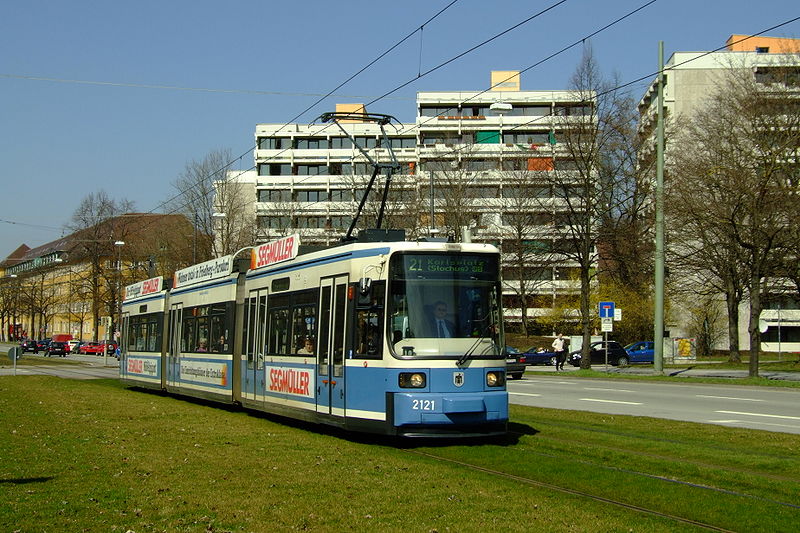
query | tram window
(144,333)
(340,304)
(188,337)
(369,329)
(249,331)
(324,329)
(281,284)
(278,325)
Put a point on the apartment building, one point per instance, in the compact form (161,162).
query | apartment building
(690,78)
(458,175)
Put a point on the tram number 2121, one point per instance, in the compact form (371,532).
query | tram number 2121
(423,405)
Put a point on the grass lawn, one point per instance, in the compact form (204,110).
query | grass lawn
(95,456)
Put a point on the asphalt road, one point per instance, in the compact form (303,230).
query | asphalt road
(766,408)
(91,367)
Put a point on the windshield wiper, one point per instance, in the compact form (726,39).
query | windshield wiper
(468,354)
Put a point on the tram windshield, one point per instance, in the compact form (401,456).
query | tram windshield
(444,304)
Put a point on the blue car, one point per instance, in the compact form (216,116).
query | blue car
(534,357)
(640,352)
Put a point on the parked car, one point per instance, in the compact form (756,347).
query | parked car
(98,348)
(515,363)
(42,344)
(57,348)
(597,354)
(91,348)
(641,352)
(74,345)
(29,345)
(535,357)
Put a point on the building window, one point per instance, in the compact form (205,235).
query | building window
(403,142)
(274,169)
(311,222)
(436,111)
(273,222)
(339,143)
(339,222)
(312,196)
(273,143)
(525,138)
(274,195)
(762,49)
(311,143)
(368,142)
(341,195)
(312,170)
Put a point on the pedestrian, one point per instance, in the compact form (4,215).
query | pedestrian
(561,353)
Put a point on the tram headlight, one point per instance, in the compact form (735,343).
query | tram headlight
(412,380)
(495,378)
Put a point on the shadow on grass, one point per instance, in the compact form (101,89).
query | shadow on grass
(515,430)
(26,480)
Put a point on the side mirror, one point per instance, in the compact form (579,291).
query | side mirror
(364,297)
(365,285)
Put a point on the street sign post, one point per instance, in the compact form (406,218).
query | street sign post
(606,309)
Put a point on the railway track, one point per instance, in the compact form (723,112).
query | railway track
(571,491)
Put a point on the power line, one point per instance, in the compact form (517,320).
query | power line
(181,88)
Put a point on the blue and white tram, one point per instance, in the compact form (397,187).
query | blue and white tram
(401,338)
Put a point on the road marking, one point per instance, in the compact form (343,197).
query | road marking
(753,423)
(609,390)
(729,398)
(550,381)
(523,394)
(608,401)
(759,414)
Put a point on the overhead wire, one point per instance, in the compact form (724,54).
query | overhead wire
(507,30)
(457,150)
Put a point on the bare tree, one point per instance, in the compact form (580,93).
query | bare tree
(743,181)
(95,233)
(216,200)
(585,175)
(529,266)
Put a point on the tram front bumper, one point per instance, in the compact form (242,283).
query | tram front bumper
(428,408)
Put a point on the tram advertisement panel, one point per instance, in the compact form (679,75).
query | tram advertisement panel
(291,381)
(142,366)
(206,372)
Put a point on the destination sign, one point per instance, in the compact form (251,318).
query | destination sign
(431,266)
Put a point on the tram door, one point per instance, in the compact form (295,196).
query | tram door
(253,351)
(124,342)
(174,355)
(331,346)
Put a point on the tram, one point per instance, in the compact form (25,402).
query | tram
(377,334)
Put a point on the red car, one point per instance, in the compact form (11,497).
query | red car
(98,348)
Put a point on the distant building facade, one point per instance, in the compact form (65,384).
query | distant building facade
(459,172)
(690,78)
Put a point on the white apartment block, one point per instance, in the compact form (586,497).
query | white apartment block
(311,178)
(690,78)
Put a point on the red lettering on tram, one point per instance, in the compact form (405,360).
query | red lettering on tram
(289,380)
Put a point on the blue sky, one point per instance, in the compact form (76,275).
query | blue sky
(268,61)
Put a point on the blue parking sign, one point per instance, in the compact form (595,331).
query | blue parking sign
(606,309)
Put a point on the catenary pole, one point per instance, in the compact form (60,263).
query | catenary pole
(658,319)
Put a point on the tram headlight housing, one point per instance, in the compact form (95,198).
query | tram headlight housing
(495,378)
(412,380)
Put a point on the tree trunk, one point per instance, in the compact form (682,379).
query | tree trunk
(753,326)
(733,326)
